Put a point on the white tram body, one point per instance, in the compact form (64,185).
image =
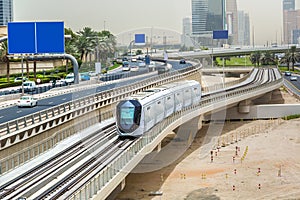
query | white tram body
(140,112)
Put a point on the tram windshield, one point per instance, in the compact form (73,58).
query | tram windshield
(127,115)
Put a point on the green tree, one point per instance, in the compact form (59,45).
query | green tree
(267,58)
(106,46)
(4,58)
(290,57)
(293,57)
(85,42)
(255,58)
(285,59)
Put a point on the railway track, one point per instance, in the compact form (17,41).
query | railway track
(63,174)
(58,174)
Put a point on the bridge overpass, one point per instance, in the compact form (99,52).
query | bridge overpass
(65,120)
(223,52)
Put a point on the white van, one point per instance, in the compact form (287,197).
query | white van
(29,86)
(69,78)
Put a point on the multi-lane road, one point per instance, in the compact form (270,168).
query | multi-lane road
(294,86)
(6,113)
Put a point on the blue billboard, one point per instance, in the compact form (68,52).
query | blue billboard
(220,34)
(21,37)
(139,39)
(50,37)
(35,37)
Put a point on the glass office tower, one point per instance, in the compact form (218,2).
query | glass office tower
(6,12)
(207,15)
(288,4)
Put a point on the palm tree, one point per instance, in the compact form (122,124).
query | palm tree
(285,60)
(267,58)
(293,57)
(255,58)
(107,47)
(4,58)
(85,41)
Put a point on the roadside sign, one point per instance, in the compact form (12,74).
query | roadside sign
(139,39)
(50,37)
(21,37)
(220,34)
(35,37)
(98,68)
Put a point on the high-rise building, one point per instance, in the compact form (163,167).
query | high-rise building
(6,12)
(291,22)
(288,4)
(232,20)
(243,28)
(199,13)
(207,16)
(186,32)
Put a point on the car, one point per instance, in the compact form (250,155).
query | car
(69,78)
(134,68)
(152,64)
(92,73)
(293,78)
(287,73)
(125,66)
(119,60)
(19,79)
(141,63)
(182,61)
(133,59)
(58,82)
(27,101)
(84,77)
(29,86)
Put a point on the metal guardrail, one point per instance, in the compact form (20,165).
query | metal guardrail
(103,98)
(120,165)
(25,155)
(297,96)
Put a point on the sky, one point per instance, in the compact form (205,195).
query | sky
(123,15)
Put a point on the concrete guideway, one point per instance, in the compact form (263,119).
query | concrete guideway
(218,100)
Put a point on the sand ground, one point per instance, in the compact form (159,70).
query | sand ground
(266,165)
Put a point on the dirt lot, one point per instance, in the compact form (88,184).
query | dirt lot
(255,160)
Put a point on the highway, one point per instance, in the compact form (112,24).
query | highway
(60,99)
(293,86)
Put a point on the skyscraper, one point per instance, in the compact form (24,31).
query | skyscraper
(288,4)
(6,12)
(232,20)
(186,32)
(207,15)
(291,22)
(243,28)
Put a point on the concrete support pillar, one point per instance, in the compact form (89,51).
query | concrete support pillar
(123,184)
(244,106)
(159,147)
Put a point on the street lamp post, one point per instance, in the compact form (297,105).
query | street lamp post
(130,47)
(22,58)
